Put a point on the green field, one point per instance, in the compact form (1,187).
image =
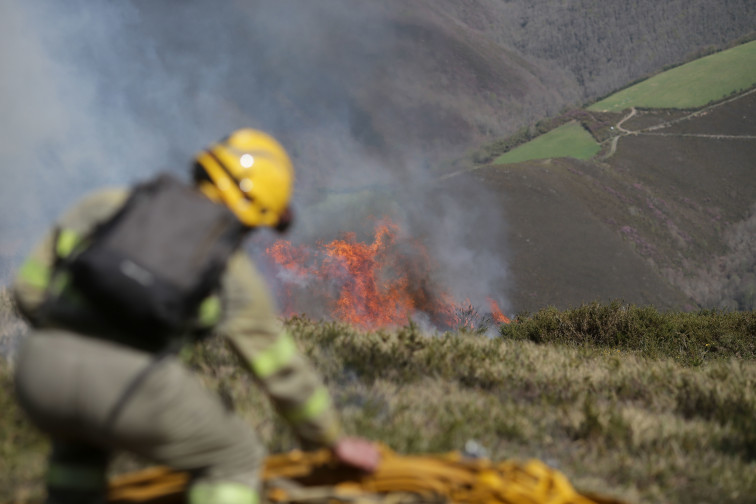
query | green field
(691,85)
(569,140)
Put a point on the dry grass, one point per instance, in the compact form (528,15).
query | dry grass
(11,326)
(615,421)
(644,429)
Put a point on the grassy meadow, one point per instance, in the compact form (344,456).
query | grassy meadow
(691,85)
(626,401)
(569,140)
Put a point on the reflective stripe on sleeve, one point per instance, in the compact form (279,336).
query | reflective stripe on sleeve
(60,281)
(222,492)
(35,273)
(317,404)
(76,476)
(275,357)
(67,241)
(209,311)
(61,285)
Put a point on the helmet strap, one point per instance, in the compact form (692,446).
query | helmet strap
(208,189)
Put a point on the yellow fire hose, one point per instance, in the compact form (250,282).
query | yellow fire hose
(315,477)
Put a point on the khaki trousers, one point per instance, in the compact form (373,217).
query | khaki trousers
(70,385)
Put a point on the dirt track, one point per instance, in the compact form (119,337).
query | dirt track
(665,124)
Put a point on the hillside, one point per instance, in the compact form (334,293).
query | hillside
(603,46)
(429,79)
(666,220)
(378,96)
(625,401)
(662,216)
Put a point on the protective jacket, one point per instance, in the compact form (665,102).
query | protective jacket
(241,310)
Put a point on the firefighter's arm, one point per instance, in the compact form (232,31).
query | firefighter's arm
(31,280)
(251,324)
(34,276)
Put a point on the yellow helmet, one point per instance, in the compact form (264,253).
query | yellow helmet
(249,172)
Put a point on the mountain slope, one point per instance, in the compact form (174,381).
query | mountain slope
(375,94)
(667,220)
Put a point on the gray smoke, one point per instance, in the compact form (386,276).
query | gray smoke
(102,93)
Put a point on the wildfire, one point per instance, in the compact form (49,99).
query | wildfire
(382,283)
(496,313)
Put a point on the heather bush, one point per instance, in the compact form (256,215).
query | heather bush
(688,338)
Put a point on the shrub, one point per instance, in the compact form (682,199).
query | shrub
(689,338)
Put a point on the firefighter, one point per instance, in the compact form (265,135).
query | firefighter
(82,381)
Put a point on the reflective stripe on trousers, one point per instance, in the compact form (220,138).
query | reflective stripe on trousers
(76,474)
(77,465)
(222,493)
(79,477)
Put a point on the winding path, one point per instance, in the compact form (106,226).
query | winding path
(623,132)
(651,130)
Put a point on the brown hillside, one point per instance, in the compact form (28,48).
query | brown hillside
(667,220)
(697,176)
(562,252)
(405,81)
(367,94)
(445,84)
(442,76)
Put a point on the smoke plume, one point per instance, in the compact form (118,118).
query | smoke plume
(108,93)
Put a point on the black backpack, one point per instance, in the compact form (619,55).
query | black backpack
(148,268)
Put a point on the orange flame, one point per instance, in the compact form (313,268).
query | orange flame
(496,313)
(376,284)
(370,295)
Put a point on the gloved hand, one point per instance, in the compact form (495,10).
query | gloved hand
(357,452)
